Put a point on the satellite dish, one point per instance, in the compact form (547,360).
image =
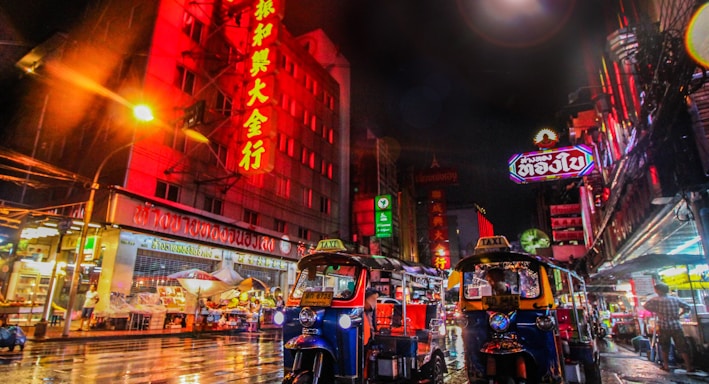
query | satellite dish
(532,239)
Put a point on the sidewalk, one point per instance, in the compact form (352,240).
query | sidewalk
(621,364)
(55,333)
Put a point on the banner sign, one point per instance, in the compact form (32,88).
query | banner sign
(383,226)
(551,164)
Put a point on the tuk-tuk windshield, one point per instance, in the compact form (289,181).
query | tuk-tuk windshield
(500,278)
(339,279)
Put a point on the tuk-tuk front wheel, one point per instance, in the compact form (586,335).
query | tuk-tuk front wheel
(300,377)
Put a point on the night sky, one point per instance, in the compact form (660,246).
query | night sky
(427,74)
(466,91)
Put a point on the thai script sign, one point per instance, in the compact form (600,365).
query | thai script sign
(436,177)
(383,216)
(147,216)
(551,164)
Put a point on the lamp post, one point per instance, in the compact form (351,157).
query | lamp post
(88,213)
(142,113)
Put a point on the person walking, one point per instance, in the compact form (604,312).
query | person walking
(668,310)
(88,309)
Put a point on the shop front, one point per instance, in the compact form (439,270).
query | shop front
(148,243)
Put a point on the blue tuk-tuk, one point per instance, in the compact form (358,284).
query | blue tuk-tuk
(324,328)
(524,318)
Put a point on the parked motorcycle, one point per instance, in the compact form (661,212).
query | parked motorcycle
(12,336)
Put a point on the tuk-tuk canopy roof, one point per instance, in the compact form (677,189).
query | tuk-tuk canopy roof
(383,263)
(497,256)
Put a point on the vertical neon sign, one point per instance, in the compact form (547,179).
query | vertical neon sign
(256,142)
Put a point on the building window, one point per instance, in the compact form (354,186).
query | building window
(224,105)
(175,139)
(323,167)
(306,117)
(308,197)
(255,180)
(331,136)
(213,205)
(167,191)
(285,101)
(219,153)
(193,27)
(283,187)
(314,123)
(250,217)
(325,205)
(185,80)
(280,226)
(329,171)
(304,233)
(311,160)
(304,155)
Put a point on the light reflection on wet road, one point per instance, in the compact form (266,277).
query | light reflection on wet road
(242,358)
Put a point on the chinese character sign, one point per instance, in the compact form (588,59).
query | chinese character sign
(552,164)
(438,230)
(256,152)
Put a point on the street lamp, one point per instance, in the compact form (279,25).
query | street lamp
(143,113)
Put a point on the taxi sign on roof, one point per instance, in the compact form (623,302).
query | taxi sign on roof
(330,245)
(492,243)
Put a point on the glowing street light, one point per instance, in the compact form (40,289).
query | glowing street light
(143,112)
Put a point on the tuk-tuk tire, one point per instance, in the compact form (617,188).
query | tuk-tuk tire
(438,369)
(301,377)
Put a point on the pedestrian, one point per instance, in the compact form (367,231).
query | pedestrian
(668,310)
(88,309)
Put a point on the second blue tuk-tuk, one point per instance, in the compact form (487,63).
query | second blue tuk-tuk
(324,327)
(524,318)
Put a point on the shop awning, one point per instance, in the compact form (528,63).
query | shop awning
(648,262)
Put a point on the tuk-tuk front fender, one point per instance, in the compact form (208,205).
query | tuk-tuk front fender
(309,342)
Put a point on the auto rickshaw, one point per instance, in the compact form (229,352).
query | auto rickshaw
(530,327)
(323,324)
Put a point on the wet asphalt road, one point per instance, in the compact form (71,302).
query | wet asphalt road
(239,358)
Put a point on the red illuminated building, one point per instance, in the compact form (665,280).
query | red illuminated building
(272,180)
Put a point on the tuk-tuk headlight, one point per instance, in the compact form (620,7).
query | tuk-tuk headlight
(279,318)
(307,317)
(344,321)
(545,323)
(499,322)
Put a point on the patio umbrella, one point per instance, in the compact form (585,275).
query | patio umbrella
(228,275)
(200,283)
(252,284)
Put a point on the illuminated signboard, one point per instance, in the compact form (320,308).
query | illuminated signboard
(438,230)
(256,152)
(551,164)
(383,216)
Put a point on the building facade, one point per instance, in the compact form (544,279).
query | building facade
(270,182)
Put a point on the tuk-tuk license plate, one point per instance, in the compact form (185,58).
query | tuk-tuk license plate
(501,301)
(316,299)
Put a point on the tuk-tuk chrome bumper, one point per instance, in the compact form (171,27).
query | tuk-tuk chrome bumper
(502,345)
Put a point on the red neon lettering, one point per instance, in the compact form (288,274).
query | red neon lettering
(223,234)
(214,234)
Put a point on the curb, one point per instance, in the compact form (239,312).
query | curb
(142,335)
